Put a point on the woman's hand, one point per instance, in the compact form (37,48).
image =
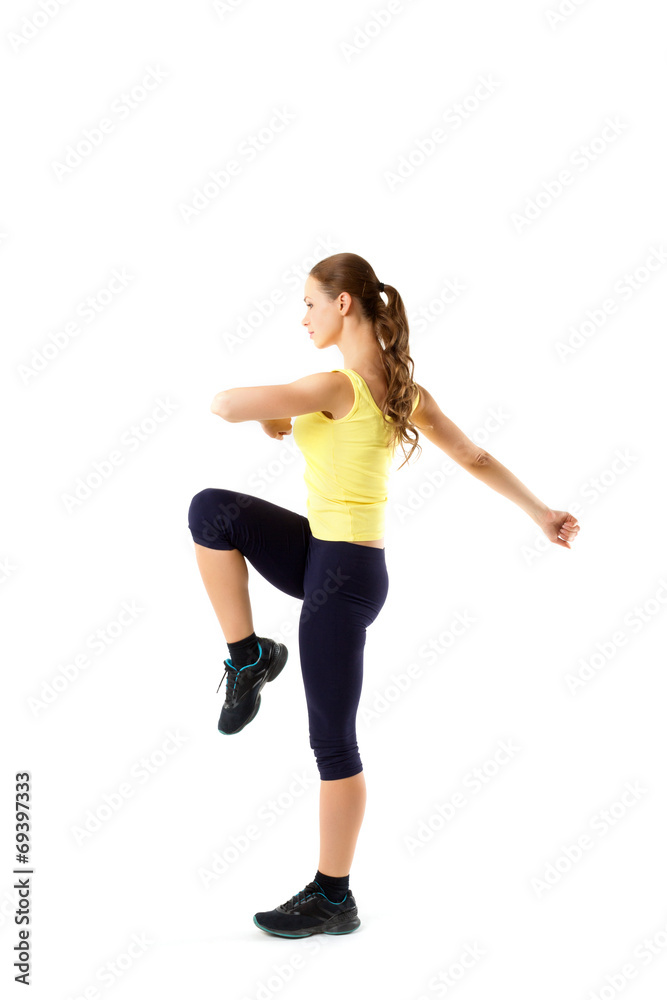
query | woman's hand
(559,526)
(277,428)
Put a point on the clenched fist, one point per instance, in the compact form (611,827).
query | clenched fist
(277,428)
(559,526)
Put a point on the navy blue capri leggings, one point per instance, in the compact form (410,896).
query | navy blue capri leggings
(343,587)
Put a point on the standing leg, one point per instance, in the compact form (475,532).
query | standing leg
(346,586)
(342,806)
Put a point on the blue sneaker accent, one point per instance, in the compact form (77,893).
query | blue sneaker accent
(244,684)
(230,667)
(332,901)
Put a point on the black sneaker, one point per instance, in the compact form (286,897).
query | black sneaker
(242,698)
(310,912)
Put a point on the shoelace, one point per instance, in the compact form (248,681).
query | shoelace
(304,894)
(312,889)
(231,678)
(228,674)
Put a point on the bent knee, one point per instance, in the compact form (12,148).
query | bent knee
(205,517)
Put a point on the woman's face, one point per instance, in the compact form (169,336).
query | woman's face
(323,317)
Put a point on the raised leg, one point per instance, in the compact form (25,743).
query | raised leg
(225,576)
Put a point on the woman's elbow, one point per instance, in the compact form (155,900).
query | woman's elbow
(481,457)
(220,405)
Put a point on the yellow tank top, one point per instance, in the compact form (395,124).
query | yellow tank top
(348,462)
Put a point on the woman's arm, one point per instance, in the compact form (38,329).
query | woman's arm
(320,391)
(490,471)
(559,526)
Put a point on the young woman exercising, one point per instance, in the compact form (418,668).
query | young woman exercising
(349,422)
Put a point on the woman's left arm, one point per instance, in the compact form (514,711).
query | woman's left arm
(558,525)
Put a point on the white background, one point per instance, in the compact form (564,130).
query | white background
(582,426)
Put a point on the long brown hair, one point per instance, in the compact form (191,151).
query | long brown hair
(347,272)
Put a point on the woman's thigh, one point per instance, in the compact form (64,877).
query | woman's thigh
(345,587)
(273,539)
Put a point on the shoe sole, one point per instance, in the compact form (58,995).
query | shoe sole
(353,925)
(279,656)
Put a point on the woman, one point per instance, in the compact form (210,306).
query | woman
(348,425)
